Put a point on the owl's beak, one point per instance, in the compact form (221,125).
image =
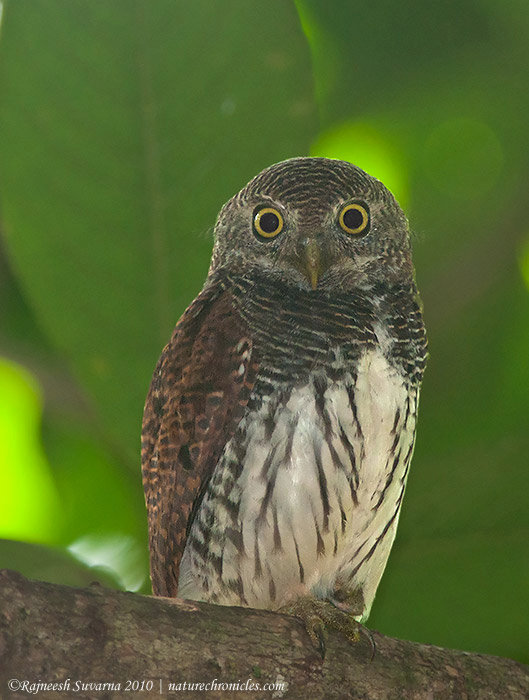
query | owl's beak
(313,263)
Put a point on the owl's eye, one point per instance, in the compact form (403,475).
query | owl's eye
(267,222)
(354,219)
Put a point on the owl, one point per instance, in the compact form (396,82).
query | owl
(280,422)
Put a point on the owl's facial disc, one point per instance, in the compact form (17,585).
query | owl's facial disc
(318,224)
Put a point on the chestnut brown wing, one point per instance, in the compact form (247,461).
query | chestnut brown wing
(197,397)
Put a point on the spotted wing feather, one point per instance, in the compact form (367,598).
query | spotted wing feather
(197,397)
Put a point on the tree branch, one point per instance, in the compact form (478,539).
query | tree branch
(51,633)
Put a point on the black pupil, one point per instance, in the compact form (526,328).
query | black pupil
(269,222)
(353,218)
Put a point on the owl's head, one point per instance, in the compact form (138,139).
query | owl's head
(316,223)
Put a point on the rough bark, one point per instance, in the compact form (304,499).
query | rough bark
(51,633)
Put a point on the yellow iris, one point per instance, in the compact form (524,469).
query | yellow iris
(268,222)
(354,218)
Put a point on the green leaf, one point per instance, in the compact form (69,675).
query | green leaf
(124,126)
(105,521)
(68,491)
(30,507)
(51,564)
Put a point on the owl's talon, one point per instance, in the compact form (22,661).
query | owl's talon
(371,641)
(306,609)
(319,637)
(319,615)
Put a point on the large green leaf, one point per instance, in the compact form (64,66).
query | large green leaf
(124,126)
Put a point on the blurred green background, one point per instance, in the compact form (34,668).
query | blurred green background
(125,125)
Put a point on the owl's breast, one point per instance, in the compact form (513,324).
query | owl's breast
(304,491)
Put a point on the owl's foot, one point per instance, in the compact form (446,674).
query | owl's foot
(319,615)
